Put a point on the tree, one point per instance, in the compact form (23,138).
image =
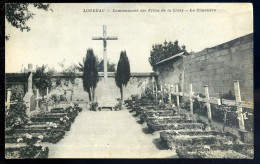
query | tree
(90,74)
(123,72)
(17,14)
(68,79)
(163,51)
(110,66)
(42,79)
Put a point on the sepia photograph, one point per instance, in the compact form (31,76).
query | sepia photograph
(129,80)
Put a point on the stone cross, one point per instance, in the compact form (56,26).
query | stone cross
(8,98)
(105,38)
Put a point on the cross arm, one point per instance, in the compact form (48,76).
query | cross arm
(112,38)
(97,38)
(243,104)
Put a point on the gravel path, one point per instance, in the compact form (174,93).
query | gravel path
(106,134)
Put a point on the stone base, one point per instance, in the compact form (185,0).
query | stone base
(30,101)
(106,94)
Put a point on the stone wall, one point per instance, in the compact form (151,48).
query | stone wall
(135,86)
(216,67)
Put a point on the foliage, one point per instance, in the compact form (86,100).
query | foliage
(229,114)
(134,97)
(55,98)
(69,76)
(16,117)
(33,147)
(223,113)
(33,152)
(93,105)
(123,72)
(229,95)
(110,66)
(200,107)
(42,79)
(148,94)
(67,81)
(118,105)
(17,14)
(32,140)
(174,99)
(63,98)
(163,51)
(64,120)
(90,74)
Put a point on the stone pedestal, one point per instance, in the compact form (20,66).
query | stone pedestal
(30,99)
(107,93)
(30,102)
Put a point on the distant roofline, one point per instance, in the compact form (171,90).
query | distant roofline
(14,77)
(170,58)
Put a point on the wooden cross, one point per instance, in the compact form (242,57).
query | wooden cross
(156,92)
(191,100)
(105,38)
(239,104)
(207,100)
(170,95)
(153,84)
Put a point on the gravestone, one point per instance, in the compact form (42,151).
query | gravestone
(30,99)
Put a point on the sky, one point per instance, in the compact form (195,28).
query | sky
(66,33)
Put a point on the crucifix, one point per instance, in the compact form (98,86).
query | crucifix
(105,38)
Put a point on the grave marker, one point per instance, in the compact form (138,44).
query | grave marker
(29,97)
(177,96)
(37,98)
(191,100)
(156,92)
(8,98)
(239,104)
(170,95)
(208,103)
(153,84)
(239,109)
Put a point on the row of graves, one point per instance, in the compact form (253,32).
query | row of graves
(32,121)
(183,131)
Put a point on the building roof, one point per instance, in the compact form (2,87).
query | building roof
(23,77)
(16,77)
(170,58)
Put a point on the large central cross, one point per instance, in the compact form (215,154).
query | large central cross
(105,38)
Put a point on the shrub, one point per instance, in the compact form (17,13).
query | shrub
(134,97)
(200,107)
(148,94)
(16,117)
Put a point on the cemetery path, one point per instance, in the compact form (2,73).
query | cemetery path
(107,134)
